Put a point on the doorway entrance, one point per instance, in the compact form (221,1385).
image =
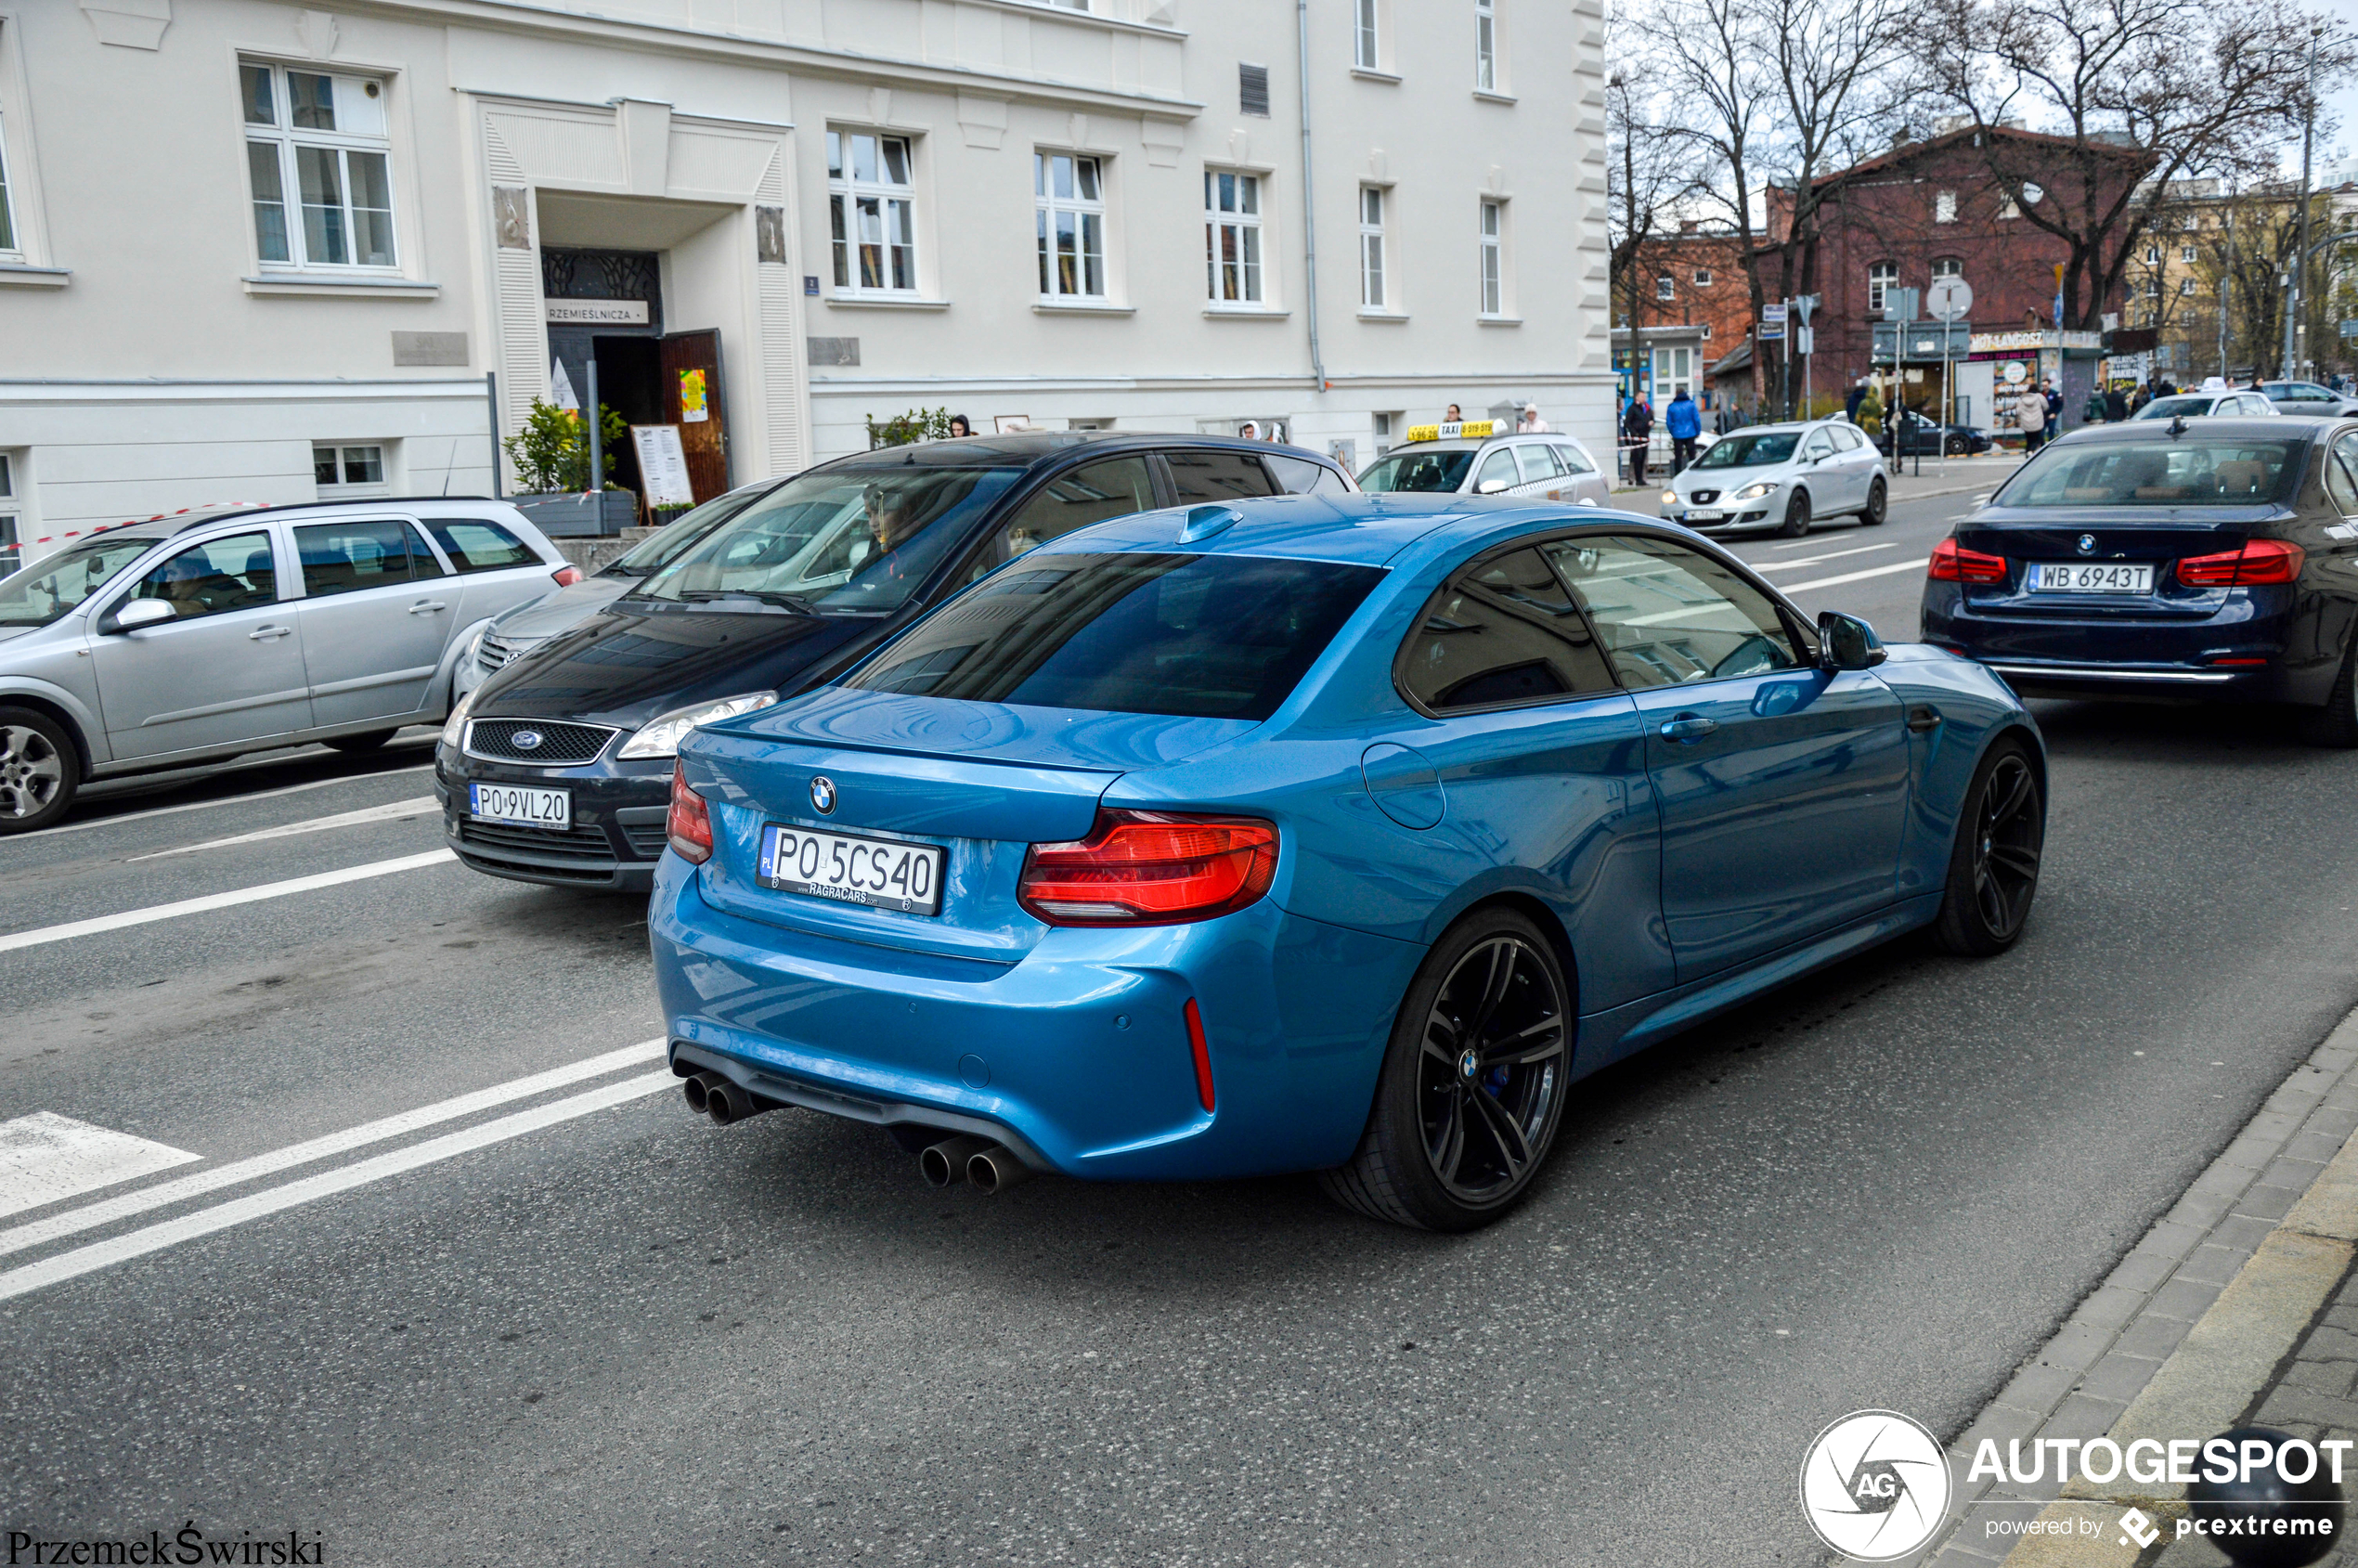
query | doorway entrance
(606,307)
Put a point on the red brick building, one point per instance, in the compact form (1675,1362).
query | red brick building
(1692,305)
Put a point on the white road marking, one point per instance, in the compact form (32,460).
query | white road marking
(41,934)
(327,1183)
(1813,560)
(163,1194)
(396,811)
(225,800)
(1916,565)
(46,1156)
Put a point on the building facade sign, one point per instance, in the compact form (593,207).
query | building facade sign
(598,313)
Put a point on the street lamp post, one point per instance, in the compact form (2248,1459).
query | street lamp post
(2293,302)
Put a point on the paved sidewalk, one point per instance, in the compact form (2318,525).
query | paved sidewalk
(2239,1302)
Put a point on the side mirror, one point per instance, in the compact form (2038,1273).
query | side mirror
(1847,643)
(1490,486)
(132,613)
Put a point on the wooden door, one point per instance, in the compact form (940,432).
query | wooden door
(692,389)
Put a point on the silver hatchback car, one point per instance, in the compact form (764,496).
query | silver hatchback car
(1783,476)
(189,639)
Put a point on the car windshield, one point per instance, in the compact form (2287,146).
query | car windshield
(669,541)
(1411,469)
(52,586)
(1749,451)
(835,539)
(1196,636)
(2170,407)
(2190,471)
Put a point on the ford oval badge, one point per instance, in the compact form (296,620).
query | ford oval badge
(526,740)
(823,793)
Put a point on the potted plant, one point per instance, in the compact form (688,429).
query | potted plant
(552,458)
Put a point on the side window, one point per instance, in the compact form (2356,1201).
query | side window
(1846,438)
(2341,474)
(1300,476)
(1497,473)
(1538,463)
(1816,447)
(350,557)
(1503,630)
(237,573)
(1217,476)
(1668,615)
(1071,500)
(476,546)
(1574,459)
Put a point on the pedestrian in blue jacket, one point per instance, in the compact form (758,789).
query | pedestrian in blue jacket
(1686,422)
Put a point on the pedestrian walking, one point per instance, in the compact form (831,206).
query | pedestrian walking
(2115,405)
(2053,401)
(1851,399)
(1686,422)
(1636,433)
(2030,417)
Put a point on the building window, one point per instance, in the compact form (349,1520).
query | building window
(1948,266)
(1666,287)
(1882,279)
(2186,287)
(1486,45)
(348,470)
(1494,258)
(1703,278)
(872,197)
(320,162)
(1253,90)
(2153,256)
(2186,254)
(1371,271)
(1072,220)
(1365,53)
(1944,207)
(1232,237)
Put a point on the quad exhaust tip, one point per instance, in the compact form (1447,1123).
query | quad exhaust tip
(945,1163)
(994,1168)
(709,1093)
(697,1091)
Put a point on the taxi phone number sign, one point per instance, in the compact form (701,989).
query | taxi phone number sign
(1472,430)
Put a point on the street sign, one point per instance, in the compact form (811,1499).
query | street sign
(1899,305)
(2350,328)
(1949,299)
(1803,307)
(1772,322)
(1924,340)
(1805,340)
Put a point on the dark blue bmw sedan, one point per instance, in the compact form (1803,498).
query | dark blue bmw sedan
(2200,559)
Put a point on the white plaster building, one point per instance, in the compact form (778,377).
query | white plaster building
(257,251)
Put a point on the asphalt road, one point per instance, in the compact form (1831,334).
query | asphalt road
(565,1321)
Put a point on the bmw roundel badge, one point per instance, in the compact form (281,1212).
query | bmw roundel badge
(823,793)
(526,740)
(2087,544)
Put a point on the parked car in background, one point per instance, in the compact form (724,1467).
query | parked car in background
(2308,397)
(1783,476)
(195,637)
(509,637)
(557,768)
(1919,436)
(2208,404)
(1480,458)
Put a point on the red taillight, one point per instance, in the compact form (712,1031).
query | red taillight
(1150,868)
(690,824)
(2258,563)
(1202,1053)
(566,576)
(1951,564)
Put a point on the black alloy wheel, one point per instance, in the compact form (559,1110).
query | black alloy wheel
(1878,503)
(1955,446)
(1993,871)
(40,770)
(1473,1085)
(1797,521)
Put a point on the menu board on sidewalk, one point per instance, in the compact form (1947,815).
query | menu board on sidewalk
(663,467)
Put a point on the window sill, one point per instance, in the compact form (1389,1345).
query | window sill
(1485,95)
(1244,313)
(1384,316)
(883,302)
(15,275)
(1499,321)
(1081,307)
(1364,75)
(289,287)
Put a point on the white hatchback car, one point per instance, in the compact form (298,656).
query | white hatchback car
(1783,476)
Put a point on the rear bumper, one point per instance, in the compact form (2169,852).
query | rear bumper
(1077,1057)
(2112,654)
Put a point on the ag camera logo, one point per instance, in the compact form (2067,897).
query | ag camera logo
(1875,1486)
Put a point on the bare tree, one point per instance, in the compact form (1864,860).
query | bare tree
(1648,180)
(2125,97)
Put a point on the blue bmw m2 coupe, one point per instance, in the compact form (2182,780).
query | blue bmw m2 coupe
(1316,834)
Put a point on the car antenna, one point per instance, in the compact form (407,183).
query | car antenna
(2177,425)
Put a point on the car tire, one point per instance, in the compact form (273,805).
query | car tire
(2336,724)
(1878,504)
(40,770)
(1797,521)
(1954,447)
(1472,1086)
(1994,870)
(356,744)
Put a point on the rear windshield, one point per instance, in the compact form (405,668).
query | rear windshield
(1412,470)
(2190,471)
(1195,636)
(1749,451)
(474,545)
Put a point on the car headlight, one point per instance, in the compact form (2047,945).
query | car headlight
(1753,492)
(1670,497)
(454,729)
(661,735)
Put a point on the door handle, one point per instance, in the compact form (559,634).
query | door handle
(1922,719)
(267,633)
(425,606)
(1688,727)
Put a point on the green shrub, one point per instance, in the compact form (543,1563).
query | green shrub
(901,430)
(552,452)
